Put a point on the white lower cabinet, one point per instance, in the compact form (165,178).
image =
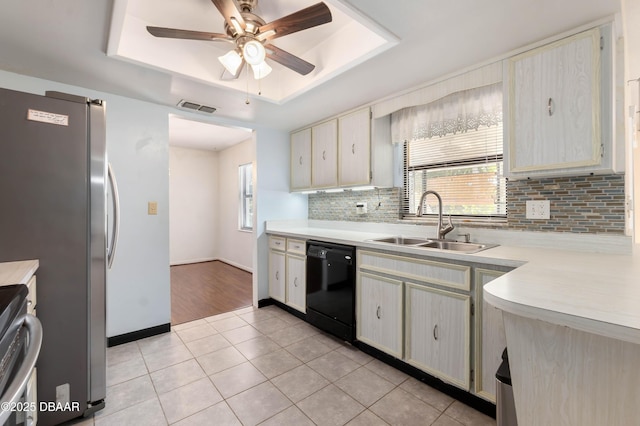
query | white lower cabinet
(421,310)
(287,272)
(437,333)
(379,313)
(489,337)
(296,295)
(277,277)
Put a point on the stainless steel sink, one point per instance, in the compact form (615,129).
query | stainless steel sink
(457,246)
(429,243)
(404,241)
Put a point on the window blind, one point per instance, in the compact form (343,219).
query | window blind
(464,168)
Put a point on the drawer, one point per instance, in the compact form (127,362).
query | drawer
(277,243)
(32,296)
(419,270)
(296,246)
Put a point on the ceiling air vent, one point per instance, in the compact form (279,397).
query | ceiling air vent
(192,106)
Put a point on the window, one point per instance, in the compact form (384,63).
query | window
(454,146)
(246,196)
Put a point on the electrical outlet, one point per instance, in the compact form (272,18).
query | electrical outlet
(152,208)
(361,207)
(538,209)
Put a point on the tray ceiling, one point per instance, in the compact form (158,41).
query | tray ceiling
(333,48)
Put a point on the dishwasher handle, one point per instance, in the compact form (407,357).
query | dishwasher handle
(331,254)
(17,386)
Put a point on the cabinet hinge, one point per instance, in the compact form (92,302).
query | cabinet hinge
(601,43)
(601,150)
(473,309)
(370,114)
(471,376)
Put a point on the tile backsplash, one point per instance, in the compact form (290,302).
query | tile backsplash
(383,205)
(584,204)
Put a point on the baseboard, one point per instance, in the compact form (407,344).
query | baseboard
(227,261)
(236,265)
(137,335)
(189,261)
(265,302)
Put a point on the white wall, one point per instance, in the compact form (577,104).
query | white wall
(138,291)
(272,199)
(194,203)
(234,245)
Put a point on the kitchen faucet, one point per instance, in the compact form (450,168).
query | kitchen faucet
(442,230)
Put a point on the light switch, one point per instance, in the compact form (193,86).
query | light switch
(538,209)
(152,208)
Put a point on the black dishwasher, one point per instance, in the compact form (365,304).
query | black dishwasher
(331,277)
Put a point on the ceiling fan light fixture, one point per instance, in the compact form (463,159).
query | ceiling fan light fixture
(253,52)
(231,61)
(261,70)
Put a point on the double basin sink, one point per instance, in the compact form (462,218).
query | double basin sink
(436,244)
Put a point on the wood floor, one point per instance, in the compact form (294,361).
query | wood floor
(199,290)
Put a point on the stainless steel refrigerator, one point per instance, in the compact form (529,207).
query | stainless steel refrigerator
(53,207)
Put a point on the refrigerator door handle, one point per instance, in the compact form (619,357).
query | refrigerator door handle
(115,231)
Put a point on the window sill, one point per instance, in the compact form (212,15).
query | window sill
(477,222)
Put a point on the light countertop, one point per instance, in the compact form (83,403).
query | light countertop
(593,292)
(17,272)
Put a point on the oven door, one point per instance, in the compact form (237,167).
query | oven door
(17,364)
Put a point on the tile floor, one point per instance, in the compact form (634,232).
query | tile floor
(265,367)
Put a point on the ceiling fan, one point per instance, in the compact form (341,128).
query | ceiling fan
(252,36)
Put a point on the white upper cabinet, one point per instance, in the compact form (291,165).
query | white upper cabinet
(345,152)
(354,146)
(324,155)
(559,108)
(301,160)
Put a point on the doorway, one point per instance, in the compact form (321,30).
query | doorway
(211,260)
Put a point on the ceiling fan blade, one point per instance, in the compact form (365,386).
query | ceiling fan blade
(309,17)
(187,34)
(290,61)
(229,9)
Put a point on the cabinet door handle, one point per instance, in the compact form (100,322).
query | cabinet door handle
(435,332)
(278,275)
(323,155)
(295,281)
(301,160)
(353,148)
(550,107)
(378,311)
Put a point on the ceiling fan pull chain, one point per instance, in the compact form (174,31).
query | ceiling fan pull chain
(247,101)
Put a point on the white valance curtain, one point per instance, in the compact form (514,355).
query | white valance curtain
(458,112)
